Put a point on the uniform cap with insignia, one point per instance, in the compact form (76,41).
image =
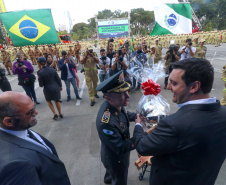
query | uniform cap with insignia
(202,40)
(42,60)
(152,46)
(115,83)
(196,37)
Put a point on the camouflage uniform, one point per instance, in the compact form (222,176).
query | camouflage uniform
(223,77)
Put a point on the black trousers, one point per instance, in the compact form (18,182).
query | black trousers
(167,78)
(30,91)
(5,85)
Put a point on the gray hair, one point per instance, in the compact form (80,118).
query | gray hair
(7,109)
(19,54)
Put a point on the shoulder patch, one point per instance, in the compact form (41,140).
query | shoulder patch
(108,132)
(106,117)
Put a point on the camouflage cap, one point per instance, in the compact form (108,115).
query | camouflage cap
(202,40)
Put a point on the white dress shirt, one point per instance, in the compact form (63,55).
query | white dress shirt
(187,53)
(108,61)
(23,134)
(69,75)
(200,101)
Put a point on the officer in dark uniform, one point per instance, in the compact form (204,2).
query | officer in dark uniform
(113,128)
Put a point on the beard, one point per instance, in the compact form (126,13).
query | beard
(19,125)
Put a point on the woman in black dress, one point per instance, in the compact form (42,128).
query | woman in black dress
(49,79)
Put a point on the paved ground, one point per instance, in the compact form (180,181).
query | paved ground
(76,138)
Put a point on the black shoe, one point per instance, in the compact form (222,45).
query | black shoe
(61,115)
(107,182)
(37,102)
(55,117)
(96,96)
(92,103)
(78,98)
(68,98)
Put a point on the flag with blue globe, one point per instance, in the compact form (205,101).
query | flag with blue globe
(28,29)
(172,19)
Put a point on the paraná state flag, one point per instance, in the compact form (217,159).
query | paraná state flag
(172,19)
(30,27)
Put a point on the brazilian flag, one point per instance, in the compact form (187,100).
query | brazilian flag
(30,27)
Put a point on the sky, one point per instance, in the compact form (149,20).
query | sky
(80,10)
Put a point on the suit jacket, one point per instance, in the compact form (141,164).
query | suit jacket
(188,146)
(25,163)
(63,68)
(49,79)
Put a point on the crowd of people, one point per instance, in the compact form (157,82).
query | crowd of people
(181,145)
(187,147)
(115,55)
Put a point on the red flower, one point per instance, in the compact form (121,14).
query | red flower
(151,88)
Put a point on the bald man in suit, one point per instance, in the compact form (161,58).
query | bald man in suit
(26,157)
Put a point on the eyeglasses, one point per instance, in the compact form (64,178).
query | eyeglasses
(31,112)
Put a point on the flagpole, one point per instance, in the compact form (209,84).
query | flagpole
(3,9)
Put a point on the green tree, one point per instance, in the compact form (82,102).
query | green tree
(210,11)
(140,21)
(79,27)
(62,33)
(105,14)
(1,37)
(208,27)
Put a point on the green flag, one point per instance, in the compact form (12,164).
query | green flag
(30,27)
(131,46)
(172,19)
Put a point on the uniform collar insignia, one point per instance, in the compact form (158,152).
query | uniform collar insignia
(121,78)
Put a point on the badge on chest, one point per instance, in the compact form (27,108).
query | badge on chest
(106,117)
(122,126)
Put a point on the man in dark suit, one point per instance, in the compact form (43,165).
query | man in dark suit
(66,66)
(188,147)
(26,157)
(113,128)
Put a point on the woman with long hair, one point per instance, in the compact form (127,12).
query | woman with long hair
(50,61)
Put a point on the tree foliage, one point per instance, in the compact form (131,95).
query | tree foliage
(211,13)
(139,22)
(62,32)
